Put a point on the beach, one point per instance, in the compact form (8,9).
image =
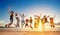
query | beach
(28,31)
(7,32)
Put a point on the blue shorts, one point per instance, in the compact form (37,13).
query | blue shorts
(23,21)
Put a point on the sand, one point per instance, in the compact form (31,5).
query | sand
(10,32)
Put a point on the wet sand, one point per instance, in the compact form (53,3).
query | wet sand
(11,32)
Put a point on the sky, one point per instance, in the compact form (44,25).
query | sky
(30,8)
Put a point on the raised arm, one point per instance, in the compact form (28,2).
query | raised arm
(40,15)
(54,16)
(9,9)
(25,16)
(20,14)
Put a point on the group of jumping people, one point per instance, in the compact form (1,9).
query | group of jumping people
(37,20)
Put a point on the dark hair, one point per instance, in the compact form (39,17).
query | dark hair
(30,17)
(12,11)
(22,14)
(44,15)
(27,20)
(17,18)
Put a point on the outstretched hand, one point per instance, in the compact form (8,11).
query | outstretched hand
(54,16)
(9,8)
